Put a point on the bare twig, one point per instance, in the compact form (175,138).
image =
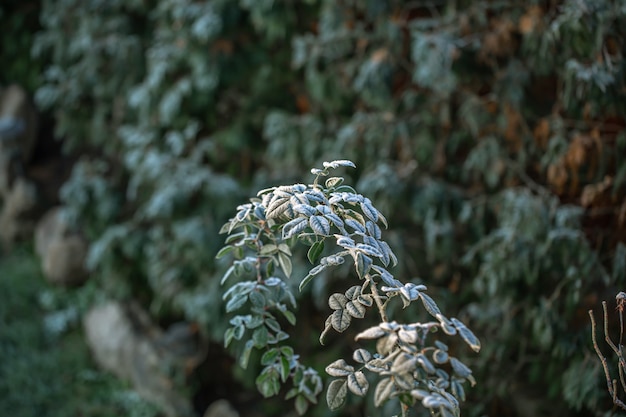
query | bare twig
(621,369)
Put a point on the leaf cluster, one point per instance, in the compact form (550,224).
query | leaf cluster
(338,225)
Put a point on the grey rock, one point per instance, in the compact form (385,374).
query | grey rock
(122,340)
(221,408)
(62,250)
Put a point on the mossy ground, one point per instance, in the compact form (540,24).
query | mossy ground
(44,372)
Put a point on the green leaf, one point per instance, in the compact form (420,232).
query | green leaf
(357,383)
(383,391)
(339,368)
(336,393)
(224,251)
(284,248)
(257,299)
(269,357)
(314,271)
(320,225)
(245,355)
(315,251)
(268,249)
(236,302)
(228,336)
(267,382)
(285,263)
(260,337)
(291,318)
(301,404)
(227,274)
(284,368)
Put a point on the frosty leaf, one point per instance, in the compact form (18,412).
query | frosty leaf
(383,391)
(369,210)
(457,389)
(407,335)
(440,356)
(361,356)
(372,333)
(403,363)
(460,368)
(365,299)
(320,225)
(337,301)
(305,209)
(387,277)
(356,310)
(419,394)
(340,319)
(277,207)
(339,163)
(316,270)
(353,292)
(315,195)
(336,220)
(363,264)
(446,325)
(356,226)
(467,335)
(429,304)
(368,250)
(345,241)
(339,368)
(336,393)
(357,383)
(377,365)
(333,182)
(425,363)
(373,230)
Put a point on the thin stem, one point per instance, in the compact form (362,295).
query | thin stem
(379,303)
(405,410)
(609,382)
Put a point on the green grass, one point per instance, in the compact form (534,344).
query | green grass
(50,373)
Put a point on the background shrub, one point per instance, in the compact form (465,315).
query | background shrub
(490,134)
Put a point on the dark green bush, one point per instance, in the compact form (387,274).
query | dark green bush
(490,134)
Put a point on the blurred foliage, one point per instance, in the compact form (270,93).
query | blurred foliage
(490,133)
(46,368)
(19,21)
